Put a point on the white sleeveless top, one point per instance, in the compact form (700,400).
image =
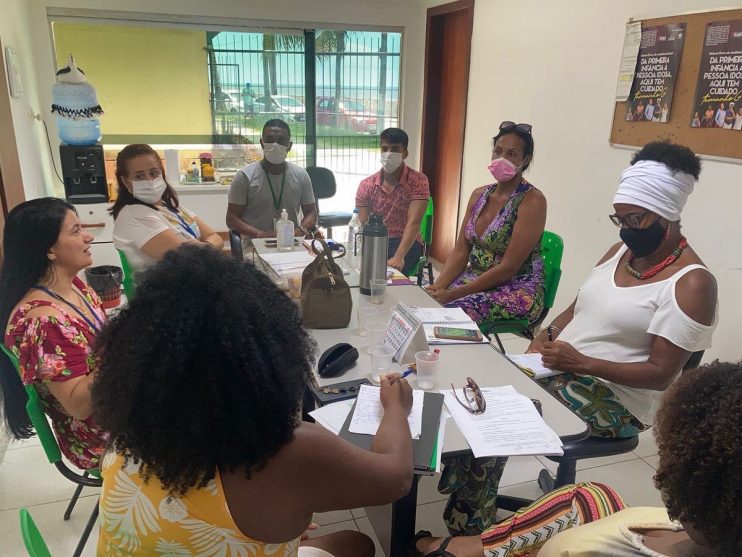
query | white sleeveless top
(617,324)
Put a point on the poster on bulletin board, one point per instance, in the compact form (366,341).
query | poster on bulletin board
(718,102)
(650,99)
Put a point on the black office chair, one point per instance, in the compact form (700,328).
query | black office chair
(235,245)
(324,186)
(590,447)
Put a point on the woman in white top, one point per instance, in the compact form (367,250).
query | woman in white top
(148,220)
(648,305)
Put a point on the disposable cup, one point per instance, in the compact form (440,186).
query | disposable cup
(375,331)
(378,288)
(427,369)
(381,361)
(366,314)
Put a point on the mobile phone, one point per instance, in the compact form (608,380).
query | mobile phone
(454,333)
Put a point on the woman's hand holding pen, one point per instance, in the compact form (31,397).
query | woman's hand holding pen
(395,393)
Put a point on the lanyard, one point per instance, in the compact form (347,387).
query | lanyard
(77,309)
(276,204)
(183,224)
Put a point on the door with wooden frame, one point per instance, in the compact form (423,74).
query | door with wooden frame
(447,54)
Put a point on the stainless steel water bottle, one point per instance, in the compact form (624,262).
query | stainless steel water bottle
(374,248)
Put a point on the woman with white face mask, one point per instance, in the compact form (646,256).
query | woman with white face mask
(148,219)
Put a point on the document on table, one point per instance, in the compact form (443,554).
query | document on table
(510,426)
(445,317)
(333,416)
(368,413)
(287,262)
(532,365)
(631,41)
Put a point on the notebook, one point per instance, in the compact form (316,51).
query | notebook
(532,365)
(445,317)
(425,448)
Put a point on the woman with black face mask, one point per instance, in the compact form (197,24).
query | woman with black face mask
(647,306)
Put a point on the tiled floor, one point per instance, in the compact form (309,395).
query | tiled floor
(27,480)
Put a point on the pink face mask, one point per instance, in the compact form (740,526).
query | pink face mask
(502,169)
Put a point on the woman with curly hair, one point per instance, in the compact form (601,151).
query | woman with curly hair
(51,319)
(699,439)
(200,384)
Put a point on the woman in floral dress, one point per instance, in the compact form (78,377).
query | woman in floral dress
(52,319)
(495,271)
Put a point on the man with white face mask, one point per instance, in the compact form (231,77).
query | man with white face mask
(261,190)
(400,194)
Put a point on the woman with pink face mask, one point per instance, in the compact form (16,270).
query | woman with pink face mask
(495,270)
(148,219)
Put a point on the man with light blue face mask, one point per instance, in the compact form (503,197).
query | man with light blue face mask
(261,190)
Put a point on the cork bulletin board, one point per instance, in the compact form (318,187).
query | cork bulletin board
(704,141)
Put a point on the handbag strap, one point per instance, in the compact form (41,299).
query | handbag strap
(326,252)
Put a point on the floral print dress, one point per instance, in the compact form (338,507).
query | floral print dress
(54,348)
(520,297)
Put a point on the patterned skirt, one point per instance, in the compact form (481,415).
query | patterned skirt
(516,299)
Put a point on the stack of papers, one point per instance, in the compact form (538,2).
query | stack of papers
(445,317)
(286,263)
(532,365)
(510,426)
(368,413)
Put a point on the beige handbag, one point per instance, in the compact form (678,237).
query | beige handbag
(325,296)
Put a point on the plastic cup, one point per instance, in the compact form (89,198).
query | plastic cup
(381,361)
(427,368)
(366,314)
(375,331)
(378,288)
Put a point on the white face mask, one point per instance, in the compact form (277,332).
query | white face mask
(391,161)
(275,153)
(148,191)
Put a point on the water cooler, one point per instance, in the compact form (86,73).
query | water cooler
(84,173)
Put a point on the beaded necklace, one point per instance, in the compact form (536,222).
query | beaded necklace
(669,260)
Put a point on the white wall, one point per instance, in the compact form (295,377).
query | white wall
(554,65)
(29,133)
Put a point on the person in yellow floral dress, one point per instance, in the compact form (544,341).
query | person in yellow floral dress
(200,383)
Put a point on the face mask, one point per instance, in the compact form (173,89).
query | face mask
(148,191)
(275,153)
(643,241)
(391,161)
(502,169)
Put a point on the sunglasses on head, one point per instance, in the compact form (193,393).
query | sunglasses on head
(507,126)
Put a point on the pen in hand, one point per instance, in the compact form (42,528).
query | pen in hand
(548,332)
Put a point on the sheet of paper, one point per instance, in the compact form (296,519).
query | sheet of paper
(333,416)
(368,413)
(532,365)
(510,426)
(631,40)
(287,257)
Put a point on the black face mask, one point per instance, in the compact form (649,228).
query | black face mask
(643,241)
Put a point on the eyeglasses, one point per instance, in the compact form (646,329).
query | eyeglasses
(632,220)
(507,126)
(474,403)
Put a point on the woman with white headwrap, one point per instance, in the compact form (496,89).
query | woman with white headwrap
(647,306)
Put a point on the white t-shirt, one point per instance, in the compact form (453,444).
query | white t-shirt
(617,324)
(138,224)
(612,536)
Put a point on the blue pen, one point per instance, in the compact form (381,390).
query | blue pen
(408,372)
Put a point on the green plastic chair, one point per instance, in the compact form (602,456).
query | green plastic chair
(89,478)
(34,542)
(129,286)
(426,231)
(552,249)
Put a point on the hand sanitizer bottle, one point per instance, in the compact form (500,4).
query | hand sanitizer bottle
(284,232)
